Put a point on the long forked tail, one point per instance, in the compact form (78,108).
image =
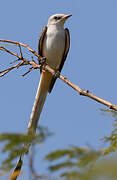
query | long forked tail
(39,101)
(41,94)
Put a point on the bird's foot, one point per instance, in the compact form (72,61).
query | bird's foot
(42,62)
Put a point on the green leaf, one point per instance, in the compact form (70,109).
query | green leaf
(62,165)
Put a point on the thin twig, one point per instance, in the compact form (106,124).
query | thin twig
(21,44)
(30,69)
(4,72)
(21,51)
(14,61)
(10,52)
(83,92)
(64,79)
(47,68)
(31,166)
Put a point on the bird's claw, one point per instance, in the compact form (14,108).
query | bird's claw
(42,62)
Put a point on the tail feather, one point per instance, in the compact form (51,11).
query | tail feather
(39,100)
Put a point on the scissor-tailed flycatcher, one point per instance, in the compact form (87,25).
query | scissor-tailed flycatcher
(54,45)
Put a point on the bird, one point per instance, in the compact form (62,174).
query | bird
(54,44)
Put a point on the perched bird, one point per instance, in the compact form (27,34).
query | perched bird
(54,45)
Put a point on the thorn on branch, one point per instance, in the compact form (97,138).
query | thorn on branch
(111,107)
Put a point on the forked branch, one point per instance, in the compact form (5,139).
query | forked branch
(35,65)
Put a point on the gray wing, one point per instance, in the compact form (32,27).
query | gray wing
(67,45)
(41,39)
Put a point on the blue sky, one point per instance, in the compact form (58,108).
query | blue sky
(91,64)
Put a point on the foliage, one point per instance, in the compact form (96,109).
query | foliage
(73,160)
(14,145)
(112,139)
(72,163)
(84,163)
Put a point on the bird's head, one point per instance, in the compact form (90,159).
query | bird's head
(58,19)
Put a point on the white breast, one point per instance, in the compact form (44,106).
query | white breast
(54,44)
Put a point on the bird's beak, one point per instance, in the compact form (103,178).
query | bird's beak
(67,16)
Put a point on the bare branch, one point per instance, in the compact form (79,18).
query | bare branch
(20,51)
(47,68)
(21,44)
(30,69)
(10,52)
(2,73)
(31,166)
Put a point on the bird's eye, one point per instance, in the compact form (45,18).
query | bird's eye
(57,18)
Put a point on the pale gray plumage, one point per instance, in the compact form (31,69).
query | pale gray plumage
(54,45)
